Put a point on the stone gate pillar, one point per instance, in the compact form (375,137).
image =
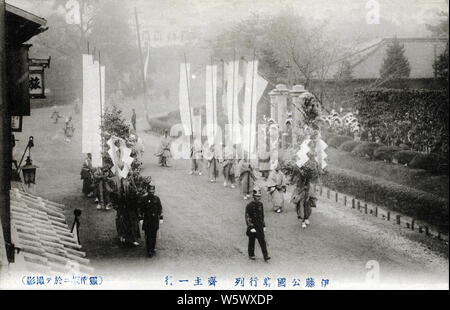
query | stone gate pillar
(295,93)
(278,99)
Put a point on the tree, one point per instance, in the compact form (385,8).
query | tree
(440,30)
(441,66)
(345,71)
(395,64)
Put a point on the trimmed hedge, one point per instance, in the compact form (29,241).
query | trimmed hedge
(406,200)
(349,146)
(366,149)
(431,162)
(385,153)
(337,140)
(404,157)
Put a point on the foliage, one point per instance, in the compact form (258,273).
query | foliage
(105,26)
(115,125)
(345,72)
(349,145)
(395,64)
(413,116)
(301,176)
(338,140)
(441,66)
(431,162)
(366,149)
(385,153)
(404,157)
(406,200)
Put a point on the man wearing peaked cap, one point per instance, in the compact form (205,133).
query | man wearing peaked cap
(151,212)
(254,217)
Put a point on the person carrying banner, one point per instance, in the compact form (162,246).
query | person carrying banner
(196,157)
(213,165)
(125,200)
(228,172)
(303,196)
(68,129)
(246,177)
(164,150)
(133,120)
(151,216)
(86,176)
(254,218)
(276,188)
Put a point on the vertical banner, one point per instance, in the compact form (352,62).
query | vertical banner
(249,109)
(232,100)
(88,103)
(96,112)
(103,89)
(183,95)
(211,103)
(197,127)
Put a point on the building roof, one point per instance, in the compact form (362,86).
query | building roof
(21,25)
(366,59)
(40,232)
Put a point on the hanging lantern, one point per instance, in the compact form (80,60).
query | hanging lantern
(29,172)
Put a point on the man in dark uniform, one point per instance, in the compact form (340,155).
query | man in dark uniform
(151,211)
(254,217)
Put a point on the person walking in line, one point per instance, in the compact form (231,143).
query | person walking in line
(246,177)
(133,120)
(213,165)
(228,172)
(196,157)
(86,176)
(68,129)
(151,214)
(164,150)
(276,188)
(55,115)
(254,218)
(303,196)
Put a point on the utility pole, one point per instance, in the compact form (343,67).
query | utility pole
(5,142)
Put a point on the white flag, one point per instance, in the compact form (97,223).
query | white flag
(250,106)
(211,103)
(232,100)
(184,104)
(303,153)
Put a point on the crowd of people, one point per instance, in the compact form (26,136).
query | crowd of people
(133,198)
(251,181)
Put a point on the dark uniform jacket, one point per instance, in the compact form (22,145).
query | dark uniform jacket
(151,212)
(254,216)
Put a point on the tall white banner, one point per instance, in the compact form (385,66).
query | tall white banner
(91,132)
(96,144)
(250,106)
(211,103)
(88,97)
(232,100)
(185,115)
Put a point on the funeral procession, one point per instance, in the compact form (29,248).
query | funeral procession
(224,145)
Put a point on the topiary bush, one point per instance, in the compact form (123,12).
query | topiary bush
(349,146)
(336,141)
(429,162)
(385,153)
(404,157)
(366,149)
(409,201)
